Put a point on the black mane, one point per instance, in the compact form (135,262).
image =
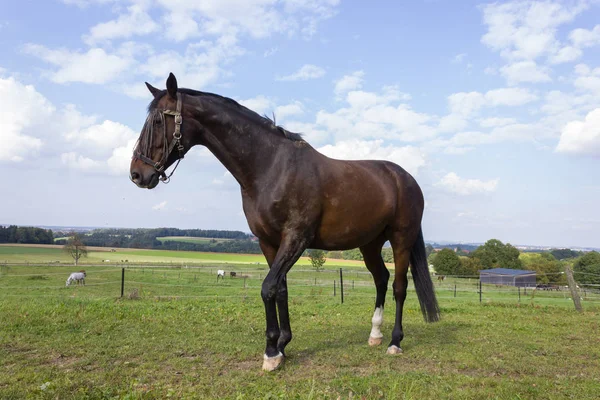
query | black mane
(230,102)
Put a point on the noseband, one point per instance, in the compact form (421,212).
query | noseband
(159,166)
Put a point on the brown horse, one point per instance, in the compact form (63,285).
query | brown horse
(295,198)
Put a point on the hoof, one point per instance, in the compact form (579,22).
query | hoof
(272,363)
(375,341)
(394,350)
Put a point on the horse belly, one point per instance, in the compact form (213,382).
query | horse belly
(348,230)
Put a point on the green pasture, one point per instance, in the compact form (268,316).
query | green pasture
(178,333)
(97,255)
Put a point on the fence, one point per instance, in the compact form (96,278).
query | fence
(161,281)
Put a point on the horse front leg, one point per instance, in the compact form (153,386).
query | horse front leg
(274,295)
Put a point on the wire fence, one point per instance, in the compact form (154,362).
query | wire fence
(184,281)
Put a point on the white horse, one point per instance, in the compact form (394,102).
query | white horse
(77,277)
(220,273)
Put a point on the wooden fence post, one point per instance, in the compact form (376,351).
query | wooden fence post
(122,281)
(573,288)
(341,286)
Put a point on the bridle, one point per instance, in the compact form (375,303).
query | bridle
(159,166)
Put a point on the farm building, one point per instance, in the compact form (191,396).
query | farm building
(509,277)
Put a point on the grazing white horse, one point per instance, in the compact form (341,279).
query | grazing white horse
(220,273)
(77,277)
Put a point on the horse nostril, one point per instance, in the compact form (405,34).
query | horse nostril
(135,177)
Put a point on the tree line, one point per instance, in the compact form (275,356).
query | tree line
(238,242)
(25,235)
(549,266)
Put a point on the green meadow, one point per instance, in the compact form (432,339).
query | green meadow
(179,333)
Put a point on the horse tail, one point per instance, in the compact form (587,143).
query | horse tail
(422,279)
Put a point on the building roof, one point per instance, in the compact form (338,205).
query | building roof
(506,271)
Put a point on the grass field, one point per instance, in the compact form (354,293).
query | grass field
(177,333)
(44,254)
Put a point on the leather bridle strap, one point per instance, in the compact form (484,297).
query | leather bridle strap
(159,166)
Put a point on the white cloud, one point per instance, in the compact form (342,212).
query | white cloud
(349,82)
(525,71)
(496,121)
(457,59)
(201,64)
(34,128)
(295,108)
(256,18)
(306,72)
(259,104)
(93,66)
(456,184)
(584,37)
(101,137)
(120,160)
(582,137)
(464,104)
(588,80)
(136,22)
(566,54)
(160,206)
(309,132)
(510,97)
(23,117)
(408,157)
(77,161)
(526,30)
(86,3)
(270,52)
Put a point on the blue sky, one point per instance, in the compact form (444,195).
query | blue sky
(493,107)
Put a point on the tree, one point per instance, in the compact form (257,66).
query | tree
(469,266)
(495,254)
(446,262)
(587,268)
(428,250)
(317,258)
(548,268)
(563,254)
(75,247)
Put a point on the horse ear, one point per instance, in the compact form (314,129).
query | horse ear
(155,92)
(172,86)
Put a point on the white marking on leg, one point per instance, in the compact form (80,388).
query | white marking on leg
(375,338)
(377,321)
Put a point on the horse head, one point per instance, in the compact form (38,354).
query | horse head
(162,141)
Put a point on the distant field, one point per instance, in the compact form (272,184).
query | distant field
(190,239)
(52,253)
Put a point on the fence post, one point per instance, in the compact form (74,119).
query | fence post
(519,294)
(122,281)
(333,288)
(480,291)
(455,290)
(573,288)
(341,286)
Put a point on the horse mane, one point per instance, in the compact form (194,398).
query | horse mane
(268,122)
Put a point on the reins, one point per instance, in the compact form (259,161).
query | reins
(159,166)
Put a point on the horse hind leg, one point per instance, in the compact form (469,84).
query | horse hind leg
(401,262)
(374,263)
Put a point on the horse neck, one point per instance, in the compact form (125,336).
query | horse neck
(242,144)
